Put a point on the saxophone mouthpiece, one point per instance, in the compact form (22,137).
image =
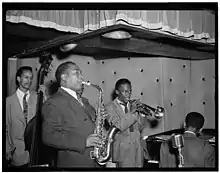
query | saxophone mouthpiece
(86,83)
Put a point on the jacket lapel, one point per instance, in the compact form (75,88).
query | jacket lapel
(89,110)
(17,105)
(118,109)
(74,105)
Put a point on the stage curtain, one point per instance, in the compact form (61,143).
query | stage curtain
(195,25)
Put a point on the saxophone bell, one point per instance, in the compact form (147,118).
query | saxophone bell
(101,154)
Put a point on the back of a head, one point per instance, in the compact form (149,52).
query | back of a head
(195,120)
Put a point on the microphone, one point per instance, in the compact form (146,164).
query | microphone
(177,141)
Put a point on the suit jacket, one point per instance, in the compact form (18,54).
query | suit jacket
(196,153)
(15,127)
(66,126)
(125,142)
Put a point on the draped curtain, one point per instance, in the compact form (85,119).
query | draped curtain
(198,25)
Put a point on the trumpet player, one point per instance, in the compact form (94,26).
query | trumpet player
(128,147)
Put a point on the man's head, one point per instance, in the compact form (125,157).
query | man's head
(194,121)
(123,90)
(69,75)
(24,77)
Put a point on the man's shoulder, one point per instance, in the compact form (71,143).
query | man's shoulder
(33,93)
(110,104)
(11,97)
(56,98)
(84,99)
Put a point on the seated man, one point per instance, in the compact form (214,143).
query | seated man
(196,152)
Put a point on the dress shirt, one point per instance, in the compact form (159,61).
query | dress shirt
(72,93)
(20,95)
(122,105)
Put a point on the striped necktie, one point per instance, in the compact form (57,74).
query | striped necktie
(80,100)
(25,107)
(131,128)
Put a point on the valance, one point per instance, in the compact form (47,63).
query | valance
(198,25)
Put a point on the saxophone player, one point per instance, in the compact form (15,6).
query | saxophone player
(128,146)
(67,125)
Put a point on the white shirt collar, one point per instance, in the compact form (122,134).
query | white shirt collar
(122,104)
(20,95)
(187,131)
(71,92)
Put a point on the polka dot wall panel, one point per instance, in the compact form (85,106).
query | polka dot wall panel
(175,91)
(145,76)
(180,86)
(202,90)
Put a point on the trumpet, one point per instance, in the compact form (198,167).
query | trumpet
(147,110)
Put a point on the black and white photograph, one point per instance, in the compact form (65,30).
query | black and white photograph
(109,86)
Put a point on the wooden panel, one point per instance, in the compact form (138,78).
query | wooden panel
(135,45)
(12,68)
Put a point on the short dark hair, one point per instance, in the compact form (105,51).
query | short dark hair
(122,82)
(20,72)
(62,68)
(194,119)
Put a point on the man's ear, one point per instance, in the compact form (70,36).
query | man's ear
(18,79)
(184,125)
(117,92)
(63,77)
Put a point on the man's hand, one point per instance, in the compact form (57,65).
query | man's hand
(134,106)
(93,140)
(104,113)
(42,88)
(10,154)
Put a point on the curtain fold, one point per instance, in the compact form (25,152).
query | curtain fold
(195,25)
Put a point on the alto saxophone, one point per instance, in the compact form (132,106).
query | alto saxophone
(102,153)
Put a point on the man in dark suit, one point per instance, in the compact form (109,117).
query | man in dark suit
(20,109)
(67,126)
(196,152)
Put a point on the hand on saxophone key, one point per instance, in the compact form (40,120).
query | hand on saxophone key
(104,113)
(93,140)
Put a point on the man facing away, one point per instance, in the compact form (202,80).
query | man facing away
(20,109)
(67,125)
(196,152)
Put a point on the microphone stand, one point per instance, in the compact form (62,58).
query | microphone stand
(181,160)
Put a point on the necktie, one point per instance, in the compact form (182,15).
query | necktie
(80,100)
(25,107)
(131,128)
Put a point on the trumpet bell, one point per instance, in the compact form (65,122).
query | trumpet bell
(159,113)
